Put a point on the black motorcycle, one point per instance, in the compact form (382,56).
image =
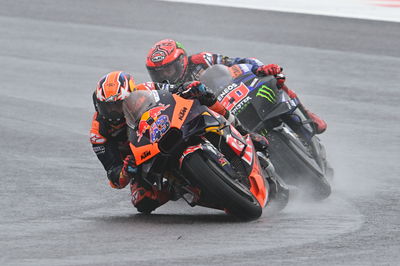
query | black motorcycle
(296,152)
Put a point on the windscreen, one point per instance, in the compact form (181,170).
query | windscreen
(216,78)
(136,104)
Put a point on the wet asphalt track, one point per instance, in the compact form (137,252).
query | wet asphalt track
(56,207)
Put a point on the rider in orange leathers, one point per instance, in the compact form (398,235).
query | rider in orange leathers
(108,133)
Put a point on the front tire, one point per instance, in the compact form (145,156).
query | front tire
(213,180)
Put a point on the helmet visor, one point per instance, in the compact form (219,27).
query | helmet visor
(170,73)
(111,111)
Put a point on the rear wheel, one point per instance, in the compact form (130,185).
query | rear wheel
(229,193)
(295,171)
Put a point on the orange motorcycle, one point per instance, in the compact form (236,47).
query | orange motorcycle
(196,153)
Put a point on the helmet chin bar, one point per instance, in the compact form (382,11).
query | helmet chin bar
(114,118)
(172,72)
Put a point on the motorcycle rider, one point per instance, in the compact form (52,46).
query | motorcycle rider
(108,130)
(168,61)
(109,139)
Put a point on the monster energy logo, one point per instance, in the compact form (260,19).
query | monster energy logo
(264,132)
(266,93)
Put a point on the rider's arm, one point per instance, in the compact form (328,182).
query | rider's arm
(254,62)
(257,67)
(157,86)
(209,59)
(107,152)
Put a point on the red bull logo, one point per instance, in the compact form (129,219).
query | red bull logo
(148,118)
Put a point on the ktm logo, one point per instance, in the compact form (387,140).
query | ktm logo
(182,113)
(145,154)
(267,93)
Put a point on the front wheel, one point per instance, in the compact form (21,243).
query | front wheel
(235,197)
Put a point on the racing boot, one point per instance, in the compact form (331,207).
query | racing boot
(147,200)
(260,142)
(319,124)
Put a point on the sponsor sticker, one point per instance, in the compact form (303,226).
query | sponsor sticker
(267,93)
(99,149)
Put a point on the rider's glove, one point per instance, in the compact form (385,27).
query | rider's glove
(120,175)
(280,80)
(130,168)
(271,69)
(192,89)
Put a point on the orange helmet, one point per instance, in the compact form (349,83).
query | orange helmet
(167,61)
(111,90)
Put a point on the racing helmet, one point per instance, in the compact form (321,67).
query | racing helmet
(167,61)
(111,90)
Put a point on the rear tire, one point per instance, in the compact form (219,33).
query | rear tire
(295,171)
(232,195)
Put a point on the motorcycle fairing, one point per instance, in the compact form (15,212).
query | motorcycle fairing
(144,144)
(258,184)
(244,148)
(159,128)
